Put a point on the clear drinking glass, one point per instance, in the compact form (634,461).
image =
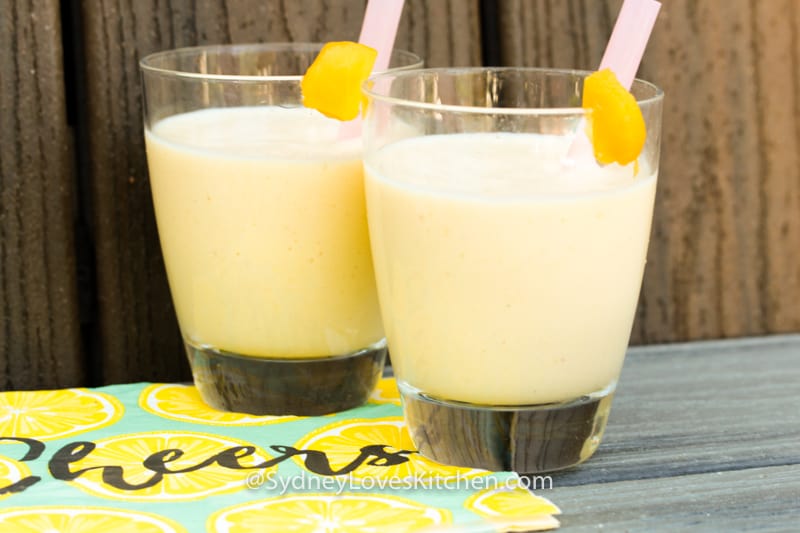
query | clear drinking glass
(508,275)
(260,210)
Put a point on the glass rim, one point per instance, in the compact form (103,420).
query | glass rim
(367,88)
(146,64)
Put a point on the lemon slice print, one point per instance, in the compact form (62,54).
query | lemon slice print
(130,451)
(320,513)
(342,443)
(514,509)
(51,519)
(10,472)
(385,392)
(183,403)
(55,414)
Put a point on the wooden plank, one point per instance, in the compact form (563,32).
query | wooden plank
(555,33)
(700,408)
(724,258)
(760,499)
(445,33)
(39,329)
(138,338)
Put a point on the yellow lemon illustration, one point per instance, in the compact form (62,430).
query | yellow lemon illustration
(514,509)
(10,472)
(52,519)
(55,414)
(321,513)
(385,392)
(342,443)
(183,403)
(130,452)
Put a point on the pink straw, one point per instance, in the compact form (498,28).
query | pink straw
(623,55)
(378,30)
(629,39)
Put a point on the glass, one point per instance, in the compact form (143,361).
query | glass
(260,210)
(508,276)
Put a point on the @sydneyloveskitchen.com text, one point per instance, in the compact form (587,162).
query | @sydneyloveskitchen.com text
(272,482)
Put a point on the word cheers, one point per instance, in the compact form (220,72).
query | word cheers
(62,462)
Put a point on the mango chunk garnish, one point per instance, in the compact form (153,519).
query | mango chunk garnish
(616,125)
(332,84)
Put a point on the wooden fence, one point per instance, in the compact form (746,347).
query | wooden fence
(83,293)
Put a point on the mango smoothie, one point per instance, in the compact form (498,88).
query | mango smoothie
(505,278)
(262,224)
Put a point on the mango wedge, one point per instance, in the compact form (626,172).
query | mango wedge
(616,127)
(332,84)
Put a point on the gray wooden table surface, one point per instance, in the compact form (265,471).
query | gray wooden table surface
(703,436)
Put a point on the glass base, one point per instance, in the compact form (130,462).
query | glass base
(301,387)
(526,439)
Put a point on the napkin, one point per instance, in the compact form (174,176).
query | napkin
(152,457)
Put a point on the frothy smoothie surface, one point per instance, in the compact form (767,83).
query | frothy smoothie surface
(268,132)
(262,223)
(495,166)
(505,278)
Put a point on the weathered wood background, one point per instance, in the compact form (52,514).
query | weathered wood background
(83,293)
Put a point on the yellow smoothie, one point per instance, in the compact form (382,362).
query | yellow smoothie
(505,278)
(262,223)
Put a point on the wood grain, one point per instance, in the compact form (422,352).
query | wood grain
(700,408)
(445,33)
(702,437)
(724,259)
(138,334)
(39,329)
(759,499)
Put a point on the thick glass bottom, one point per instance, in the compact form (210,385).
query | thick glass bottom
(301,387)
(525,439)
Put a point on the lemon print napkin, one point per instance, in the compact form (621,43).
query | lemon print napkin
(154,458)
